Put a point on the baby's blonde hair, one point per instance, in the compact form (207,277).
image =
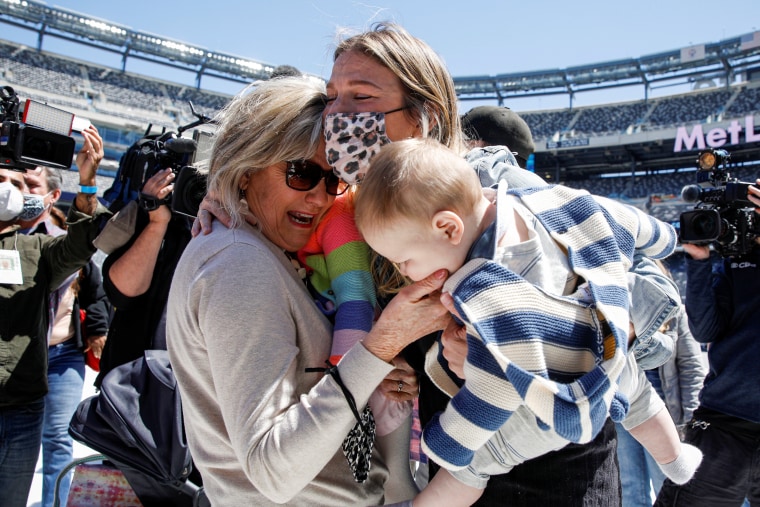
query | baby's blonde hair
(412,179)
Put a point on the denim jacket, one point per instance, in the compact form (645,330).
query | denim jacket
(654,296)
(681,377)
(654,300)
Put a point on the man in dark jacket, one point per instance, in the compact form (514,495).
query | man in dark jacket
(722,303)
(31,267)
(137,277)
(68,339)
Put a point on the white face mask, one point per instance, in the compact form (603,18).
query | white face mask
(34,206)
(352,139)
(11,202)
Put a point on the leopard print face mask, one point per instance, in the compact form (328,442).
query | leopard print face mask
(352,139)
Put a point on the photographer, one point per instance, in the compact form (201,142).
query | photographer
(136,276)
(30,268)
(722,303)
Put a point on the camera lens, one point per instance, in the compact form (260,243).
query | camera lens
(705,226)
(700,226)
(189,190)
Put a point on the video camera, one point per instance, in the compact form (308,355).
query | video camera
(41,137)
(155,152)
(723,215)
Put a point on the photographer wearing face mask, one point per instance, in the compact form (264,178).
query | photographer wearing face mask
(69,338)
(31,267)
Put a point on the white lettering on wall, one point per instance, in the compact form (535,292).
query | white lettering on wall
(717,137)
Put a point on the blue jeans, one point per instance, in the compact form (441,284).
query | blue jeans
(639,472)
(65,380)
(20,435)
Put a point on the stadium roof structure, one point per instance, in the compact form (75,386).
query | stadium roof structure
(630,157)
(110,36)
(723,59)
(558,161)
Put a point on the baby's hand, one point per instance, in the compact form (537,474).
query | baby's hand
(454,339)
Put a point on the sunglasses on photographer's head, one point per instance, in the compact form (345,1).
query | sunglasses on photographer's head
(303,175)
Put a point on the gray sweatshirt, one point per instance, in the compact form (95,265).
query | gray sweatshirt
(241,329)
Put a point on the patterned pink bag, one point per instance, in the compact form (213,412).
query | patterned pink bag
(99,485)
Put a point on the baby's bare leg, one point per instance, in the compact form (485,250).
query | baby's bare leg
(444,489)
(659,436)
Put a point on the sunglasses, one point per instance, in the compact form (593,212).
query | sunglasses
(303,175)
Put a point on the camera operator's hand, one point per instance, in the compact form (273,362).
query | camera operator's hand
(159,186)
(132,273)
(753,194)
(697,252)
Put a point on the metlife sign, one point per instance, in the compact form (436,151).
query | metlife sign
(717,137)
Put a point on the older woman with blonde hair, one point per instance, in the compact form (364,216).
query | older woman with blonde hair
(265,423)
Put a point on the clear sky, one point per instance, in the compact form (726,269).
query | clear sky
(474,37)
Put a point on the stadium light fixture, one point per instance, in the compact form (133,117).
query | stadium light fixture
(103,27)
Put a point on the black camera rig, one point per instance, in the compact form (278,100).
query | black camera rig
(723,216)
(155,152)
(39,138)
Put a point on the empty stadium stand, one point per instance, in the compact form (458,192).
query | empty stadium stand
(621,150)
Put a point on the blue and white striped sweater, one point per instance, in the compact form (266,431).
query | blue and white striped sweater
(541,350)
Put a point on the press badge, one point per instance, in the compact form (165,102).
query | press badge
(10,267)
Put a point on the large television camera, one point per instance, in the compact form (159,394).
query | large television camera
(156,152)
(191,183)
(38,137)
(723,215)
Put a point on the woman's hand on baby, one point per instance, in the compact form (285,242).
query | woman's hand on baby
(416,311)
(209,210)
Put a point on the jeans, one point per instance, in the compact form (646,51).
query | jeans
(65,380)
(20,436)
(639,472)
(730,469)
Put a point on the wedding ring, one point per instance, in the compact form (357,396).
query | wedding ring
(400,386)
